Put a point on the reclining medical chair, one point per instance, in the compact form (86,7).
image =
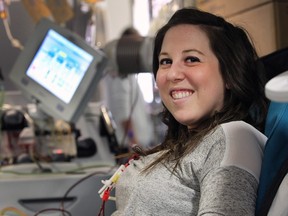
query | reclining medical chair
(272,199)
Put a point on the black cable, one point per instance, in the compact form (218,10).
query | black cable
(81,180)
(62,209)
(64,212)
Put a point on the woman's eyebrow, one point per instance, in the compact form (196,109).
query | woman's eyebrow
(193,50)
(163,54)
(184,51)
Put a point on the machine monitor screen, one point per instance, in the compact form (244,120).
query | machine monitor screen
(58,70)
(59,66)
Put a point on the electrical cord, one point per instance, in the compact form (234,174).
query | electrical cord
(12,210)
(61,209)
(81,180)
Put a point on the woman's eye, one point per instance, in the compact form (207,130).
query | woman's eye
(192,59)
(165,61)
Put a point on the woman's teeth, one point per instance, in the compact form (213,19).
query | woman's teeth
(181,94)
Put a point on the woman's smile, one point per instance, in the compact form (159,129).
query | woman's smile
(179,94)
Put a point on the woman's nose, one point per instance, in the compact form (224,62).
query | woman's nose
(176,72)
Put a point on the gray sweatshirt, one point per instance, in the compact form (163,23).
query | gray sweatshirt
(220,177)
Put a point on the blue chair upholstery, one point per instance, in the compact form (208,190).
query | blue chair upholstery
(275,160)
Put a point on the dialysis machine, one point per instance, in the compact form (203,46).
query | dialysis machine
(58,147)
(53,155)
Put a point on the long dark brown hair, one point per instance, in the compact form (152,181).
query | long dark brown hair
(241,72)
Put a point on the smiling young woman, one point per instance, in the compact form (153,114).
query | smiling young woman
(212,90)
(189,79)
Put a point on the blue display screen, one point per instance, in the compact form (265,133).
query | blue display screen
(59,66)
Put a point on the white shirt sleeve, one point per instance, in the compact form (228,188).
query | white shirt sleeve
(245,146)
